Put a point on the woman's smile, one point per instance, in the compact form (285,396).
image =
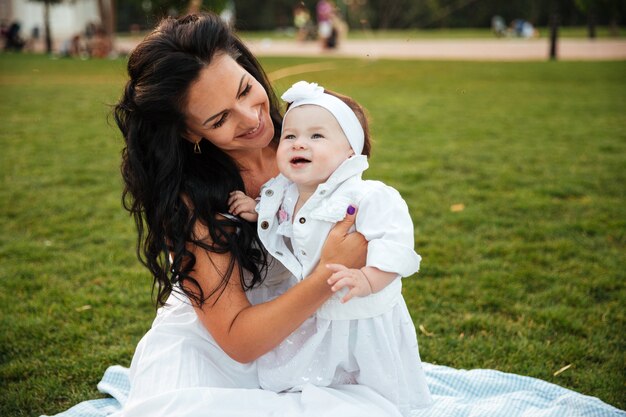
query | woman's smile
(257,131)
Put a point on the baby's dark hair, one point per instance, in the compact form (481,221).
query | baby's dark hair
(361,115)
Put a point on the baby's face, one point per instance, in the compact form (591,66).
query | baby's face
(311,147)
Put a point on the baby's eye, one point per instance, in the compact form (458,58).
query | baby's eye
(289,137)
(317,136)
(221,121)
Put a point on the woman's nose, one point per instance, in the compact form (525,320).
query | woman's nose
(249,117)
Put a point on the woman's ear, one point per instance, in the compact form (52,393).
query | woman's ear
(191,137)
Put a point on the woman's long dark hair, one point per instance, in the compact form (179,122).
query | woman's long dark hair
(168,187)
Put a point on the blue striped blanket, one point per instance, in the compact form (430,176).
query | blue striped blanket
(457,393)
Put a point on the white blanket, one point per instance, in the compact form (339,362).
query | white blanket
(457,393)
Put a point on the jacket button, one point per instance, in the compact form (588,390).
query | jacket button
(302,220)
(264,225)
(269,193)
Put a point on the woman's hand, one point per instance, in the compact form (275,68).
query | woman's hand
(342,246)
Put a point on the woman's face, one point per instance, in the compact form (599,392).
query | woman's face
(227,106)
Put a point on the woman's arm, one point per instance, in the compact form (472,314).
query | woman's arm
(246,331)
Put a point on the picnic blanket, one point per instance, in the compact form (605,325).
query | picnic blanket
(457,393)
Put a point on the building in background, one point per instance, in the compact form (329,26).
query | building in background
(68,19)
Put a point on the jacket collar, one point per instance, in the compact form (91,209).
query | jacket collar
(351,167)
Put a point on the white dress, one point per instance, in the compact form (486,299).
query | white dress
(179,370)
(371,340)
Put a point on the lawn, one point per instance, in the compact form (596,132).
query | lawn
(576,32)
(444,33)
(514,174)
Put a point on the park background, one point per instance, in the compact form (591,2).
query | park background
(513,172)
(53,25)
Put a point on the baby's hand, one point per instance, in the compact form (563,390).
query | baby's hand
(354,279)
(243,206)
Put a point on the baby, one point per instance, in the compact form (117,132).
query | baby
(371,340)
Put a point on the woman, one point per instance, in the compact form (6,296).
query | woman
(200,120)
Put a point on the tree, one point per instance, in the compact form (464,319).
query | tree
(46,22)
(106,8)
(391,14)
(588,7)
(607,10)
(554,28)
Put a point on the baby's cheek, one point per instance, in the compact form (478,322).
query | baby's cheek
(281,159)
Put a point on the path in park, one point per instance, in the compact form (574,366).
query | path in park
(461,49)
(469,49)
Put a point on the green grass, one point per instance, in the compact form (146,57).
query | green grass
(439,34)
(527,278)
(470,33)
(602,32)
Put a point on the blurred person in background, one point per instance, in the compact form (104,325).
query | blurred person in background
(326,31)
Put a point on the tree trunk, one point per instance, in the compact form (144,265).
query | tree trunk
(46,25)
(554,29)
(613,26)
(106,8)
(591,22)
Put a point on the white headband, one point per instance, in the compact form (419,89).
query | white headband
(302,93)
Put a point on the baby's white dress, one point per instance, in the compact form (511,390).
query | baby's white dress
(370,340)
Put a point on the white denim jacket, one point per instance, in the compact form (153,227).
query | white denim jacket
(382,217)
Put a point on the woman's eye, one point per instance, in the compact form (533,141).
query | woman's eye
(246,90)
(221,121)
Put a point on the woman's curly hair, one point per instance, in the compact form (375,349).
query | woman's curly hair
(168,187)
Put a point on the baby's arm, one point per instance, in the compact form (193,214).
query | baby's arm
(385,222)
(360,282)
(243,206)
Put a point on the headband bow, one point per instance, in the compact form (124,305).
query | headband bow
(302,93)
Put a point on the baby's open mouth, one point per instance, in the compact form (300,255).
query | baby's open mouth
(299,160)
